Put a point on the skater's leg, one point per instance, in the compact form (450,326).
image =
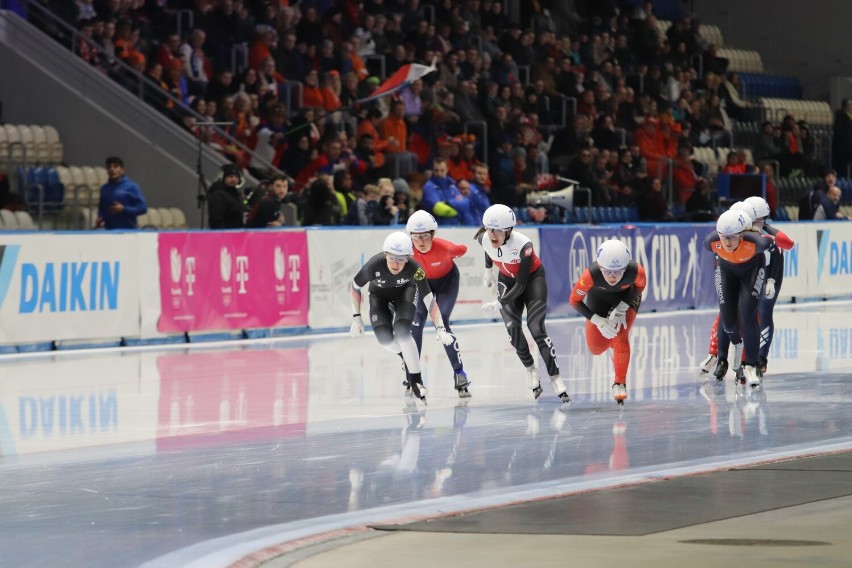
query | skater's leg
(446,293)
(596,342)
(728,290)
(535,297)
(713,349)
(767,325)
(511,313)
(748,316)
(418,323)
(621,349)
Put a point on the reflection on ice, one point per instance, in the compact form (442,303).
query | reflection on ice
(215,441)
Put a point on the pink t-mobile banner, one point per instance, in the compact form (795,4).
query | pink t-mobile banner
(239,280)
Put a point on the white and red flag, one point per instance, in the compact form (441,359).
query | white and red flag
(403,77)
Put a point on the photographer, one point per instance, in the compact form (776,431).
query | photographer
(268,211)
(386,212)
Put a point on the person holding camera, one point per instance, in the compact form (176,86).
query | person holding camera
(269,211)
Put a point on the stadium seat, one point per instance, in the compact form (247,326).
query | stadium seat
(88,217)
(154,218)
(179,218)
(792,212)
(14,149)
(103,177)
(25,221)
(143,221)
(91,176)
(67,182)
(28,140)
(10,222)
(41,149)
(166,219)
(54,144)
(4,144)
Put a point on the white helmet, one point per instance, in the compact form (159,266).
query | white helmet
(398,243)
(761,207)
(613,255)
(746,208)
(732,222)
(498,217)
(421,222)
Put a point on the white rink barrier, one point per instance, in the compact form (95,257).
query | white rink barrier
(58,289)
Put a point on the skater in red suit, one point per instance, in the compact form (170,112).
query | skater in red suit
(608,295)
(436,256)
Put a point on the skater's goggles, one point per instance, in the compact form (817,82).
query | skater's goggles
(421,236)
(618,273)
(397,258)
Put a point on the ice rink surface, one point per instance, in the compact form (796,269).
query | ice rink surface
(202,455)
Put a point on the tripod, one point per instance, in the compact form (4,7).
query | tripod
(201,191)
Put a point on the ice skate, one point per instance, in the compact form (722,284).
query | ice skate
(619,393)
(761,365)
(533,381)
(708,365)
(407,382)
(721,369)
(740,375)
(461,382)
(559,389)
(751,376)
(417,389)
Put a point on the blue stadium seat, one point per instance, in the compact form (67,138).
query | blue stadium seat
(632,213)
(44,180)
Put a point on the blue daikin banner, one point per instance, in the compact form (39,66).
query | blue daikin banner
(679,271)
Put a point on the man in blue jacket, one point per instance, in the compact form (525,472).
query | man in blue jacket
(443,199)
(121,199)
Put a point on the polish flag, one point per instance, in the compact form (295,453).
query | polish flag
(403,77)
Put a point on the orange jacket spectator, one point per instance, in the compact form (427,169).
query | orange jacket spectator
(655,146)
(735,164)
(394,130)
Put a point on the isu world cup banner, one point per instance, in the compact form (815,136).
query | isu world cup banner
(239,280)
(678,269)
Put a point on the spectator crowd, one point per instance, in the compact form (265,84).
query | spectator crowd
(589,90)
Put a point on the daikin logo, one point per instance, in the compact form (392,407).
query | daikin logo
(60,286)
(836,254)
(8,259)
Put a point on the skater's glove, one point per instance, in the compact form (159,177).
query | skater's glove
(357,328)
(445,336)
(494,306)
(489,279)
(606,327)
(770,288)
(618,315)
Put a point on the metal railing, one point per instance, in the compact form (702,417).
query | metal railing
(136,82)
